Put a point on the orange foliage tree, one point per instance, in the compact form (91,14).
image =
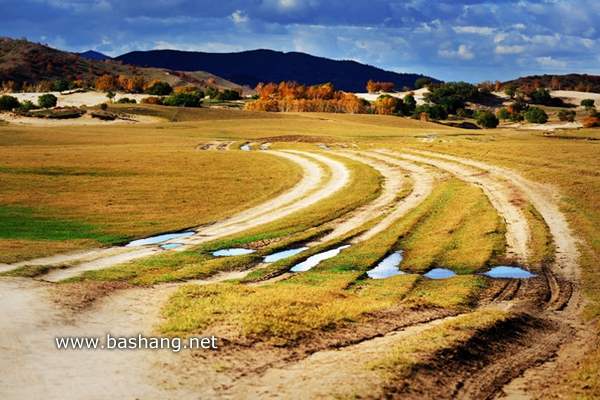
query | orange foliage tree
(292,97)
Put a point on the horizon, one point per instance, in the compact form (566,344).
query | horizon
(471,41)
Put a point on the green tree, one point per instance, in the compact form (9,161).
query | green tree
(184,99)
(541,96)
(47,100)
(588,104)
(8,103)
(511,91)
(422,82)
(565,115)
(160,89)
(503,114)
(436,112)
(487,119)
(536,115)
(60,85)
(452,95)
(410,103)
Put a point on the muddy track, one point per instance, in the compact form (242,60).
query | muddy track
(487,366)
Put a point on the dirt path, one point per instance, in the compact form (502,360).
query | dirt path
(33,367)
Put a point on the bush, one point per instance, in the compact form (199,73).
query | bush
(27,105)
(503,114)
(160,89)
(184,99)
(565,115)
(487,119)
(8,103)
(47,100)
(151,100)
(591,122)
(126,100)
(536,115)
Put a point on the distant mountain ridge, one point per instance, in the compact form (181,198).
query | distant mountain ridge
(254,66)
(94,55)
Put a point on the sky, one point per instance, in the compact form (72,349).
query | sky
(469,40)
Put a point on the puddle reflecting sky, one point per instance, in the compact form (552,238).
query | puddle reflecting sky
(439,273)
(509,272)
(312,261)
(283,254)
(232,252)
(158,239)
(387,267)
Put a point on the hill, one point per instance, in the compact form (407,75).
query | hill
(94,55)
(27,64)
(251,67)
(574,82)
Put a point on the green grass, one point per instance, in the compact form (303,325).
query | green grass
(37,225)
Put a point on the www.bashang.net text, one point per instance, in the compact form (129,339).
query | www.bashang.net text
(109,342)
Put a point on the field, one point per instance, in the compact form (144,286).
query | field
(463,201)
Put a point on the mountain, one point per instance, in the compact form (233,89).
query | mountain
(28,64)
(94,55)
(251,67)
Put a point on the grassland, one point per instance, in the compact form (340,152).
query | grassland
(87,186)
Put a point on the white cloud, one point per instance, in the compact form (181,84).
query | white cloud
(464,52)
(478,30)
(516,49)
(239,17)
(549,62)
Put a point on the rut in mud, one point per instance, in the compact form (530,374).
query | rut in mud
(545,322)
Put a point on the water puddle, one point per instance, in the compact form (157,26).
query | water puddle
(312,261)
(439,273)
(283,254)
(158,239)
(509,272)
(246,147)
(324,147)
(232,252)
(387,267)
(171,245)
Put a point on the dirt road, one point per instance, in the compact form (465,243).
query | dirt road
(33,367)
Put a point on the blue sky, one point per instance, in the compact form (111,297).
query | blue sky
(468,40)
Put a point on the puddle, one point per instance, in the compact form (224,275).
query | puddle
(387,267)
(312,261)
(232,252)
(245,147)
(509,272)
(158,239)
(439,273)
(324,147)
(283,254)
(171,245)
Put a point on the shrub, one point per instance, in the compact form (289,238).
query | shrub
(565,115)
(536,115)
(47,100)
(487,119)
(27,105)
(160,89)
(151,100)
(126,100)
(8,103)
(184,99)
(591,122)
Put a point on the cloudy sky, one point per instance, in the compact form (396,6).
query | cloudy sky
(469,40)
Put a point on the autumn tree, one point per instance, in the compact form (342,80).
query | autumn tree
(137,84)
(106,82)
(373,87)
